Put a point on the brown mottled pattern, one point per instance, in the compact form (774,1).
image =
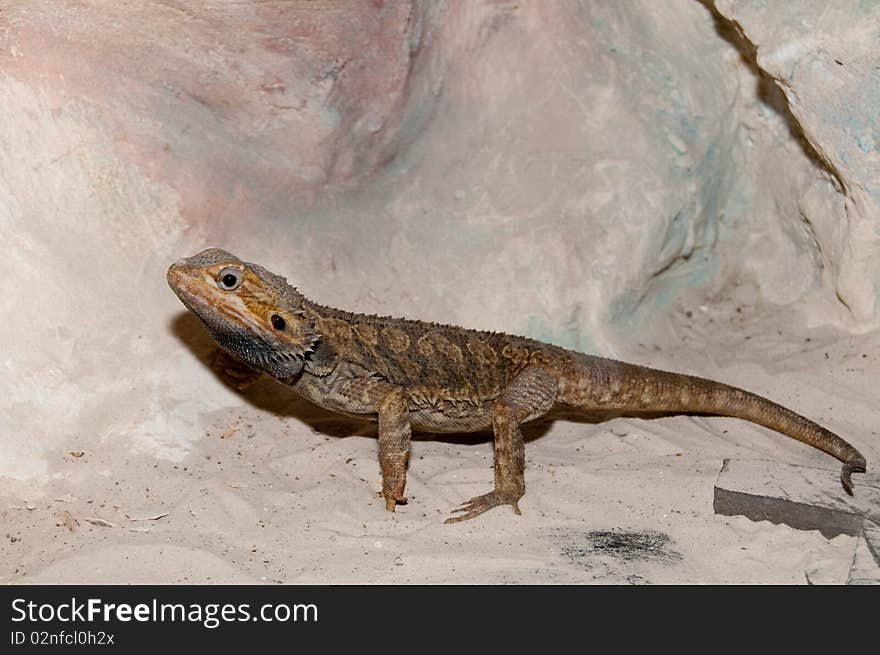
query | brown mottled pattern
(458,364)
(439,378)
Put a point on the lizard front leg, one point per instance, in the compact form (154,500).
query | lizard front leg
(234,371)
(531,394)
(367,395)
(394,445)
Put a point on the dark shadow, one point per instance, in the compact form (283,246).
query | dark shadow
(189,330)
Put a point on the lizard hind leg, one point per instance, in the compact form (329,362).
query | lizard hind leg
(510,464)
(530,395)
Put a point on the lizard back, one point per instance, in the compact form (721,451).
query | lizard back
(437,363)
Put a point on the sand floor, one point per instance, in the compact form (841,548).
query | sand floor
(274,490)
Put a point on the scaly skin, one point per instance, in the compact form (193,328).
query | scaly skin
(410,375)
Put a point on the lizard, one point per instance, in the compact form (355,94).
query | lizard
(413,375)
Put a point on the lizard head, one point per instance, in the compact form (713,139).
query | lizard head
(249,311)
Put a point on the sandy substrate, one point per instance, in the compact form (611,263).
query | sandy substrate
(277,491)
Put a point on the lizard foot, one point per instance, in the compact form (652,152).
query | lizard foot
(233,371)
(476,506)
(392,501)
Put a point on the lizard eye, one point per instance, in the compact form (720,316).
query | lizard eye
(229,279)
(278,322)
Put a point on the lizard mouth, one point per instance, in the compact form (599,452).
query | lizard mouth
(199,296)
(193,301)
(182,287)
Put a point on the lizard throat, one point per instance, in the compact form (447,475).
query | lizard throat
(280,364)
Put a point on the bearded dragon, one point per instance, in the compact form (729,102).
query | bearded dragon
(412,375)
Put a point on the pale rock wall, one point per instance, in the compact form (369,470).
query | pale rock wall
(555,169)
(825,57)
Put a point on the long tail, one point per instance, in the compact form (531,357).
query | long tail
(606,384)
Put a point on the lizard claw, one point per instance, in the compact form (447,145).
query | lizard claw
(479,504)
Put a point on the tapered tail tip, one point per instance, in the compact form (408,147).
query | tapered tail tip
(855,466)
